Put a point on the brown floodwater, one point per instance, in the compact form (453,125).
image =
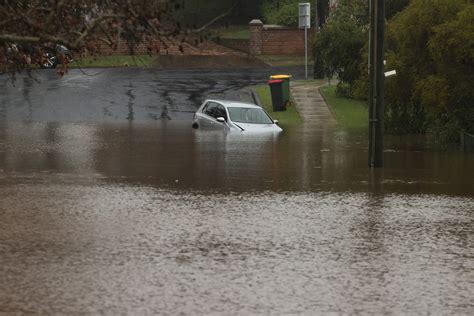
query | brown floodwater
(148,216)
(160,218)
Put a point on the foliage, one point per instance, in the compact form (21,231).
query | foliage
(431,45)
(199,12)
(392,7)
(281,12)
(340,42)
(29,28)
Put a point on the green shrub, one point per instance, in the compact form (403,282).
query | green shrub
(431,45)
(340,42)
(281,12)
(343,90)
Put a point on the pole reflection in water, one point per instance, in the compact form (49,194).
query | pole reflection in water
(147,217)
(170,153)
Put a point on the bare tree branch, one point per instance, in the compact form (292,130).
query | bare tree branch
(14,38)
(93,25)
(52,12)
(19,39)
(217,18)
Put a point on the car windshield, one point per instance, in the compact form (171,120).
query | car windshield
(249,115)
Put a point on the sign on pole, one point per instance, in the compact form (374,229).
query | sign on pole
(304,22)
(304,15)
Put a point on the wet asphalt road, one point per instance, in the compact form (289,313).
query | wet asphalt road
(117,95)
(110,203)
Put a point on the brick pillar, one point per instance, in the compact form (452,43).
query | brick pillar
(256,37)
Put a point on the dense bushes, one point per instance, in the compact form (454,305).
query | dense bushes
(281,12)
(339,45)
(430,44)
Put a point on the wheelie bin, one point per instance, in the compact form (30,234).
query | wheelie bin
(286,86)
(276,89)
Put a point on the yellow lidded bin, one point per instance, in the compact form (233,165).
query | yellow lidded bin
(285,87)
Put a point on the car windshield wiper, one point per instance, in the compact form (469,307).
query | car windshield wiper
(239,126)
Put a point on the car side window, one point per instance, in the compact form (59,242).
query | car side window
(220,112)
(210,109)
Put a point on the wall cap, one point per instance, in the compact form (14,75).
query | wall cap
(256,22)
(280,28)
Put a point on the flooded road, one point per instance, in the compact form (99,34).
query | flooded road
(127,212)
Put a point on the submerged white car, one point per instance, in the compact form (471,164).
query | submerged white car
(234,116)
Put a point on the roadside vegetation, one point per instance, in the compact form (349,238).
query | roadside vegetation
(286,118)
(282,12)
(349,113)
(284,61)
(429,44)
(114,61)
(232,32)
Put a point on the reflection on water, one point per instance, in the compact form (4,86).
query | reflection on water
(160,218)
(170,153)
(135,212)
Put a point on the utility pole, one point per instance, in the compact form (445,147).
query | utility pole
(319,14)
(316,18)
(376,79)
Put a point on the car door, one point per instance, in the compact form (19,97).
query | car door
(207,117)
(221,112)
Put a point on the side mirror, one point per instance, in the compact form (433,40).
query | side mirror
(276,122)
(221,119)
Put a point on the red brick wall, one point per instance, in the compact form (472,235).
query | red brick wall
(284,41)
(275,40)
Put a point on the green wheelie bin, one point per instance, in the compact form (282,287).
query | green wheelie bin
(285,87)
(277,95)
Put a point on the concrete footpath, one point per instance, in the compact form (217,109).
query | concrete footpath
(311,105)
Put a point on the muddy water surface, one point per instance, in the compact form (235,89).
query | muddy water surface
(146,215)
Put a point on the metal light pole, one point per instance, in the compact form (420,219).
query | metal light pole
(376,79)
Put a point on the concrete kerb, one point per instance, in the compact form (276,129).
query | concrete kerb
(256,98)
(326,101)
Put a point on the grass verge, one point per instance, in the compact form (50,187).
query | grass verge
(114,61)
(282,61)
(286,118)
(233,32)
(348,112)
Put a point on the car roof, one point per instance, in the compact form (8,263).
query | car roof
(234,104)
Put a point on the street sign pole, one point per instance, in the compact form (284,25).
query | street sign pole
(305,22)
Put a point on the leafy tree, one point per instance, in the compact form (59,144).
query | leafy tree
(392,7)
(340,42)
(27,27)
(431,45)
(281,12)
